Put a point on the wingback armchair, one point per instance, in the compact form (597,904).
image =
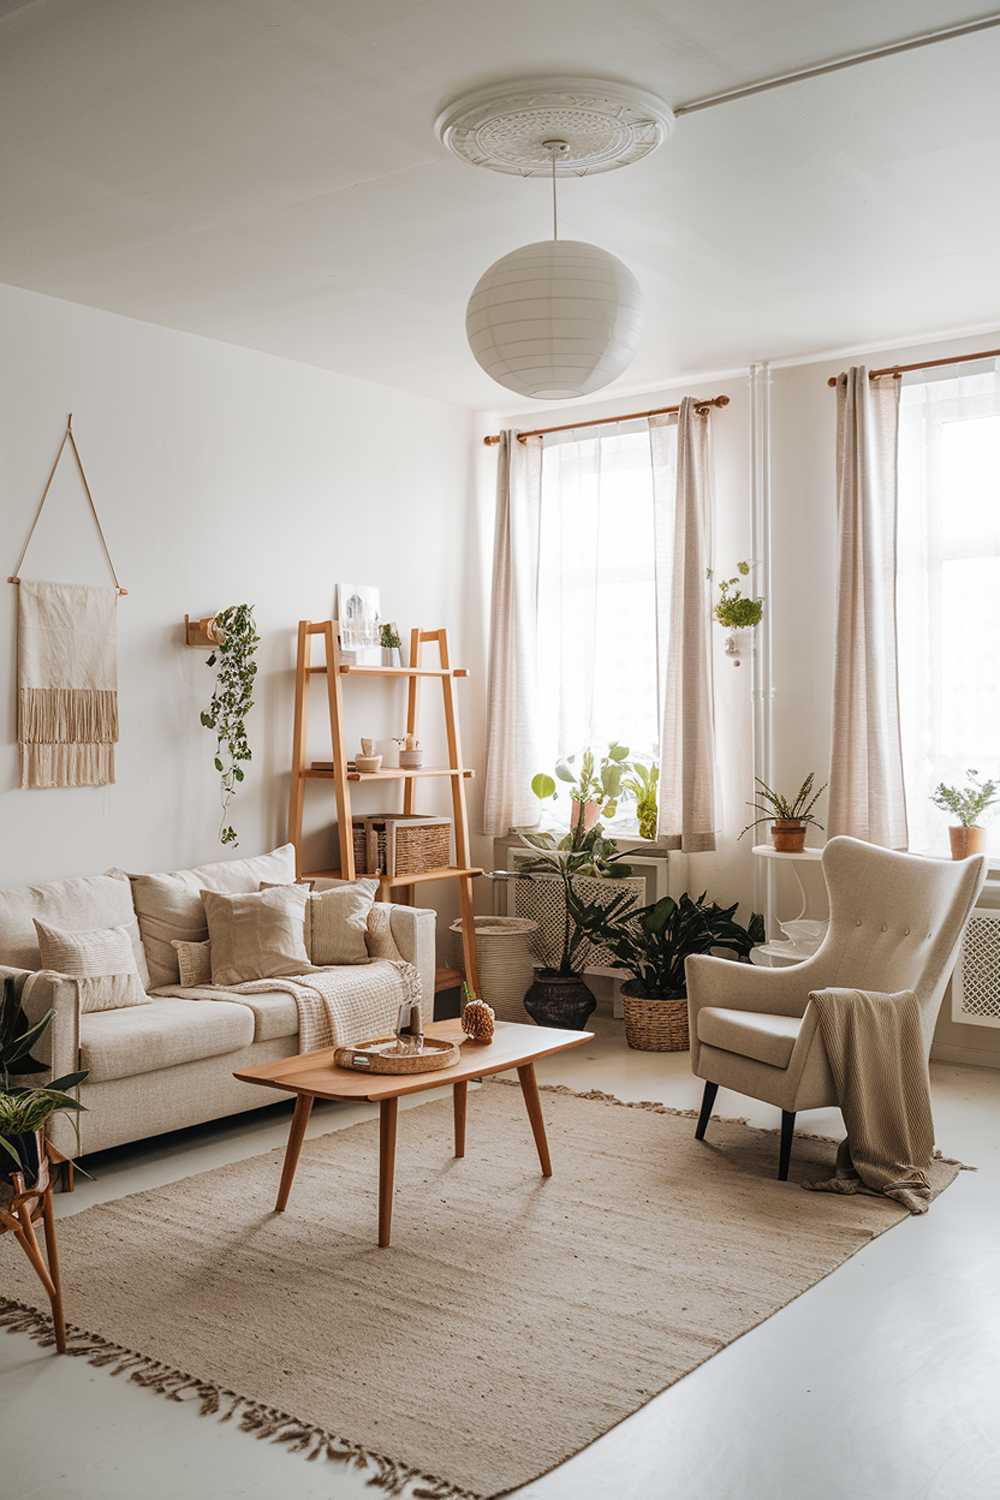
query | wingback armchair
(896,922)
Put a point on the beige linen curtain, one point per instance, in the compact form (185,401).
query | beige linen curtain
(683,489)
(867,798)
(511,758)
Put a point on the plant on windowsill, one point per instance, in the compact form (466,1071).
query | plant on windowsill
(652,944)
(231,702)
(966,805)
(642,784)
(790,819)
(25,1110)
(594,789)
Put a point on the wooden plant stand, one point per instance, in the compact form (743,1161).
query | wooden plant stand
(19,1216)
(336,673)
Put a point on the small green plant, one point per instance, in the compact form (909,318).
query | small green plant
(577,854)
(966,803)
(771,804)
(24,1109)
(642,784)
(736,610)
(231,702)
(588,781)
(388,637)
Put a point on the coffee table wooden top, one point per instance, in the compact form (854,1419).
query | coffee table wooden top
(513,1045)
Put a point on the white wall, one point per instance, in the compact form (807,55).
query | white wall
(221,475)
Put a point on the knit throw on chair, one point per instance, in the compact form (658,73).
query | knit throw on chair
(878,1058)
(68,684)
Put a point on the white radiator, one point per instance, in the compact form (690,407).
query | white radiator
(975,987)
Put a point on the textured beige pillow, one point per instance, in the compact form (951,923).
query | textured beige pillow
(257,935)
(194,960)
(378,938)
(340,922)
(102,961)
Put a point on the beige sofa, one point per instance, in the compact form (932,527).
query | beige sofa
(168,1064)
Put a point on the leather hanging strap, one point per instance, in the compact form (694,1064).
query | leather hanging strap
(67,437)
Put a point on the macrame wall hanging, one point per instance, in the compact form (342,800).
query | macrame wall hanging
(67,666)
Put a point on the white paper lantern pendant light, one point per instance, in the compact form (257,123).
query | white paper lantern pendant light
(561,318)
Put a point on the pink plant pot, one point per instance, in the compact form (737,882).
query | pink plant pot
(588,811)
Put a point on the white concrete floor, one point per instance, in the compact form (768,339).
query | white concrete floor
(882,1381)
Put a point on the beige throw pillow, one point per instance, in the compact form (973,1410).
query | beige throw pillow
(194,960)
(378,938)
(257,935)
(102,961)
(339,919)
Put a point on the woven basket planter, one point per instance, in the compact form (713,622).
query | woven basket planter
(505,953)
(656,1025)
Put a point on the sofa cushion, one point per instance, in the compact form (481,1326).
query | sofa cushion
(78,904)
(169,905)
(102,961)
(765,1038)
(340,922)
(162,1034)
(275,1014)
(257,934)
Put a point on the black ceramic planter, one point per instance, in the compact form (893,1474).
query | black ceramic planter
(559,1000)
(30,1148)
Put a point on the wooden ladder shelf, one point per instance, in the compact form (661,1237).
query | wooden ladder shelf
(337,673)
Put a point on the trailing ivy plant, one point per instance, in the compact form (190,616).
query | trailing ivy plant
(231,702)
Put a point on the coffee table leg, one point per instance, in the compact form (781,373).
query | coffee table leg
(387,1111)
(300,1119)
(529,1088)
(461,1098)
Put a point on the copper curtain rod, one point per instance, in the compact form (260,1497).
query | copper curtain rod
(632,416)
(898,371)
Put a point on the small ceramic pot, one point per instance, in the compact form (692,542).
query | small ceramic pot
(411,760)
(965,841)
(788,836)
(561,1000)
(368,763)
(588,812)
(391,656)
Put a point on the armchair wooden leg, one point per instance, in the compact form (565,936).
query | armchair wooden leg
(787,1131)
(707,1101)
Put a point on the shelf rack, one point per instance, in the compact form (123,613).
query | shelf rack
(336,673)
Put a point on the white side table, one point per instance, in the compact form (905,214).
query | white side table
(769,955)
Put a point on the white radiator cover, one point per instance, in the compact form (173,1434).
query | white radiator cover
(975,986)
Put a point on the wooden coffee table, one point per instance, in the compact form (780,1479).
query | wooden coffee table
(314,1075)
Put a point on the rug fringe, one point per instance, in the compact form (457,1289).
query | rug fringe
(266,1423)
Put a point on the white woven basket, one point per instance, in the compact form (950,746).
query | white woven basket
(505,950)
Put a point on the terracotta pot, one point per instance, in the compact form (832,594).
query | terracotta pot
(788,835)
(586,813)
(561,1000)
(966,841)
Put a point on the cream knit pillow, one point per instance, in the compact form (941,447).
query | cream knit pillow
(102,962)
(340,922)
(257,935)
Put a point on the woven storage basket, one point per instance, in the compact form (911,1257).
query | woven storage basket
(505,953)
(656,1025)
(541,898)
(393,844)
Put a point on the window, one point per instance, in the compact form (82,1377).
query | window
(948,585)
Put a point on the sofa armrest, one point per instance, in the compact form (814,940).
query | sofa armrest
(59,1049)
(414,930)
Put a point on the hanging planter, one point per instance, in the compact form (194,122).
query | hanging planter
(737,612)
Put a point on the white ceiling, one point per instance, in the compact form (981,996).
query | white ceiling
(266,172)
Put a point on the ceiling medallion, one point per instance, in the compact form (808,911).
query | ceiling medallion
(604,125)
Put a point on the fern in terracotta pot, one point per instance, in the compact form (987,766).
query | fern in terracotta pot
(966,804)
(790,817)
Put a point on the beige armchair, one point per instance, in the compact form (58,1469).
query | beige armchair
(896,922)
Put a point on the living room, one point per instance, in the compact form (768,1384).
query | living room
(577,718)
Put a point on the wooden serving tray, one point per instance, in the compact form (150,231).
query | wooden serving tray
(368,1057)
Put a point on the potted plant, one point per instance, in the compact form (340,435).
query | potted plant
(735,610)
(966,805)
(392,646)
(594,789)
(789,818)
(642,784)
(652,943)
(25,1110)
(559,996)
(231,702)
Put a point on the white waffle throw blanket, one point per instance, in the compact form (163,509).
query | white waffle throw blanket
(337,1006)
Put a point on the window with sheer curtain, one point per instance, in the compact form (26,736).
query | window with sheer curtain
(598,677)
(948,584)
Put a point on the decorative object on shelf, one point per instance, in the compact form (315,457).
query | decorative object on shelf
(232,700)
(410,1026)
(555,127)
(735,611)
(642,784)
(594,789)
(790,819)
(506,949)
(392,646)
(359,607)
(652,944)
(24,1110)
(368,762)
(396,844)
(411,757)
(477,1017)
(202,632)
(966,804)
(383,1055)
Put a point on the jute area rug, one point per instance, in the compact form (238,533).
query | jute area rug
(512,1321)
